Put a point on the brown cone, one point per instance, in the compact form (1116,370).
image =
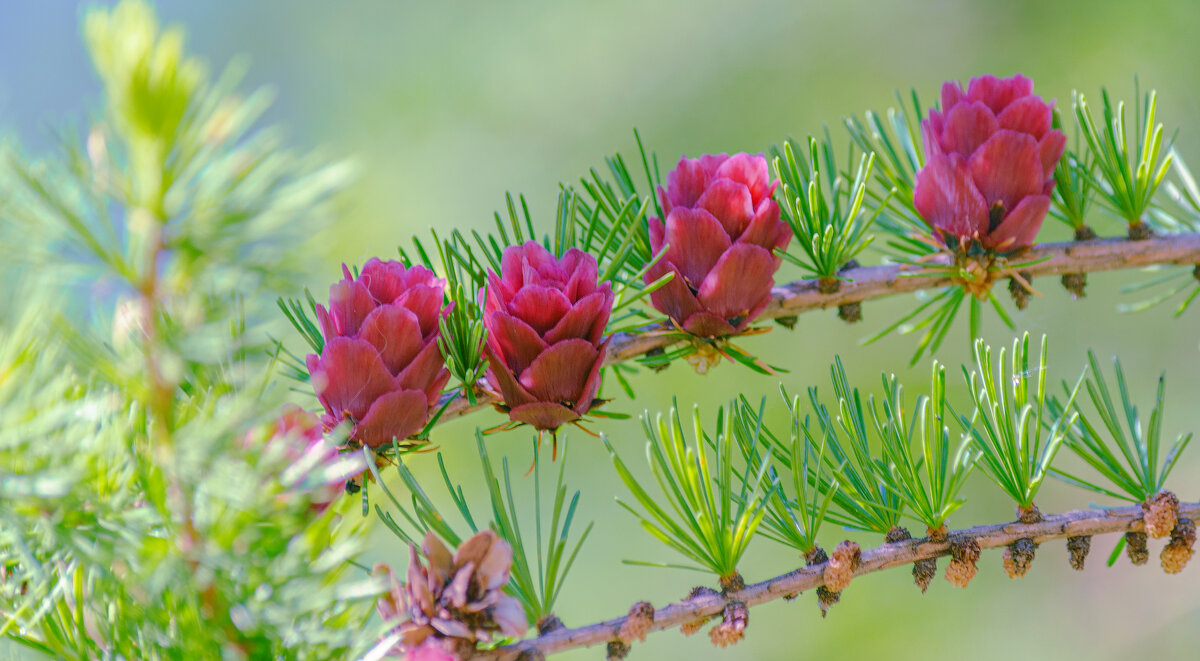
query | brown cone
(732,628)
(1161,511)
(1179,550)
(1018,557)
(1135,548)
(1077,549)
(455,596)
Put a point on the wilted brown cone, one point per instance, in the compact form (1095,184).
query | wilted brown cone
(1078,548)
(616,650)
(1135,547)
(1018,557)
(840,568)
(1179,550)
(457,596)
(732,628)
(1161,511)
(962,566)
(637,624)
(923,572)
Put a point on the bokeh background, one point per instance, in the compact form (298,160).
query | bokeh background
(444,106)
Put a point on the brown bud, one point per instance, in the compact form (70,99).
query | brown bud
(962,568)
(616,650)
(923,572)
(850,313)
(732,628)
(1161,511)
(897,534)
(638,622)
(1075,283)
(1077,548)
(1179,550)
(1018,557)
(1135,548)
(841,565)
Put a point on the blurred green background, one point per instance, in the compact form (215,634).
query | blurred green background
(444,106)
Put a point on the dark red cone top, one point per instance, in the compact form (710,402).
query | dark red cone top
(722,228)
(545,319)
(381,367)
(990,160)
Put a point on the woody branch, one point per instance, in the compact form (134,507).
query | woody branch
(1075,523)
(871,282)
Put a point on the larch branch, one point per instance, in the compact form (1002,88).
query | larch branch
(870,282)
(1076,523)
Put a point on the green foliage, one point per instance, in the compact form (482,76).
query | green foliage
(1073,181)
(538,574)
(792,519)
(712,513)
(928,484)
(1129,174)
(1134,468)
(140,518)
(829,234)
(895,141)
(1013,429)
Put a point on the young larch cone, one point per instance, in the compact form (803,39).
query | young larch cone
(732,628)
(962,567)
(1160,512)
(990,156)
(1136,549)
(841,565)
(638,622)
(1077,550)
(381,367)
(457,598)
(545,319)
(1018,557)
(1179,550)
(722,229)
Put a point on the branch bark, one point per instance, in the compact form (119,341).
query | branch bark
(1056,526)
(870,282)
